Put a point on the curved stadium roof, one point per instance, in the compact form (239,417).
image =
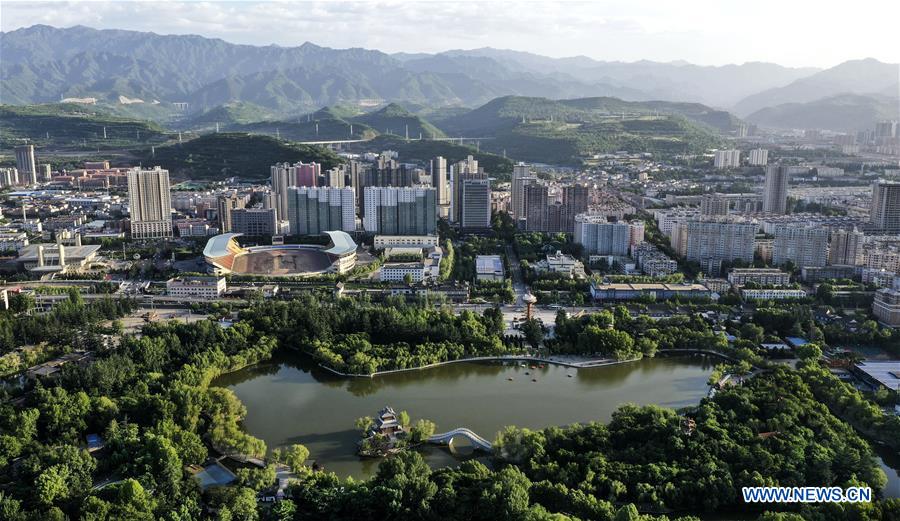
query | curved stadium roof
(342,243)
(218,246)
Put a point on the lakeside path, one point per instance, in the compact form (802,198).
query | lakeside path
(573,361)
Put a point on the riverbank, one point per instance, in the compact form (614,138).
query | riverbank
(571,361)
(281,397)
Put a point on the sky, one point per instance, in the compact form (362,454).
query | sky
(793,33)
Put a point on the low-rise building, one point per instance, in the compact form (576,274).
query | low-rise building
(489,267)
(199,287)
(762,276)
(886,306)
(880,374)
(560,262)
(416,241)
(399,271)
(653,262)
(772,294)
(717,285)
(820,273)
(625,291)
(194,228)
(13,241)
(48,258)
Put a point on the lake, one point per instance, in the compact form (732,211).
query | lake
(292,400)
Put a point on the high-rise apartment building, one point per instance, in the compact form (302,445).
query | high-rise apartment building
(536,208)
(315,210)
(711,243)
(400,210)
(775,193)
(846,247)
(759,157)
(713,204)
(285,175)
(254,221)
(336,177)
(25,161)
(521,177)
(727,159)
(600,237)
(439,180)
(459,173)
(225,204)
(44,173)
(885,211)
(150,203)
(575,201)
(804,247)
(886,129)
(475,203)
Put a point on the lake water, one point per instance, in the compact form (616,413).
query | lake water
(291,400)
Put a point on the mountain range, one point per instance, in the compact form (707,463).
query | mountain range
(44,64)
(840,113)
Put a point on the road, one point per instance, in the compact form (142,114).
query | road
(515,273)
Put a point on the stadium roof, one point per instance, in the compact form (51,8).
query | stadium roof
(342,243)
(218,245)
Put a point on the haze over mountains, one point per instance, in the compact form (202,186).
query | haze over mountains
(44,64)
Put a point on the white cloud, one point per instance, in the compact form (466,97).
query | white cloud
(796,32)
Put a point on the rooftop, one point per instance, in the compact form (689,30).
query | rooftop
(29,253)
(218,246)
(342,243)
(624,286)
(488,264)
(885,373)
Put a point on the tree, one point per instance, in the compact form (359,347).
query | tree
(256,478)
(809,351)
(403,418)
(283,510)
(295,457)
(505,495)
(534,332)
(421,431)
(364,423)
(52,485)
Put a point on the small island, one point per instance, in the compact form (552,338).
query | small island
(390,432)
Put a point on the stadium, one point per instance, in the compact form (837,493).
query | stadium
(224,255)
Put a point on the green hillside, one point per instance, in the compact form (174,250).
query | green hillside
(720,120)
(341,122)
(566,132)
(843,113)
(73,127)
(222,155)
(227,115)
(394,119)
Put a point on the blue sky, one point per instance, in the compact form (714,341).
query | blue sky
(708,32)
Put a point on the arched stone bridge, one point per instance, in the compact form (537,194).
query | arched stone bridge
(476,440)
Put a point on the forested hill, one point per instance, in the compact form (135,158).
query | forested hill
(61,126)
(222,155)
(541,130)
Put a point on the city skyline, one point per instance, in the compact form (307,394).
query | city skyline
(608,31)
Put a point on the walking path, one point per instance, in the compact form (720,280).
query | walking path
(573,361)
